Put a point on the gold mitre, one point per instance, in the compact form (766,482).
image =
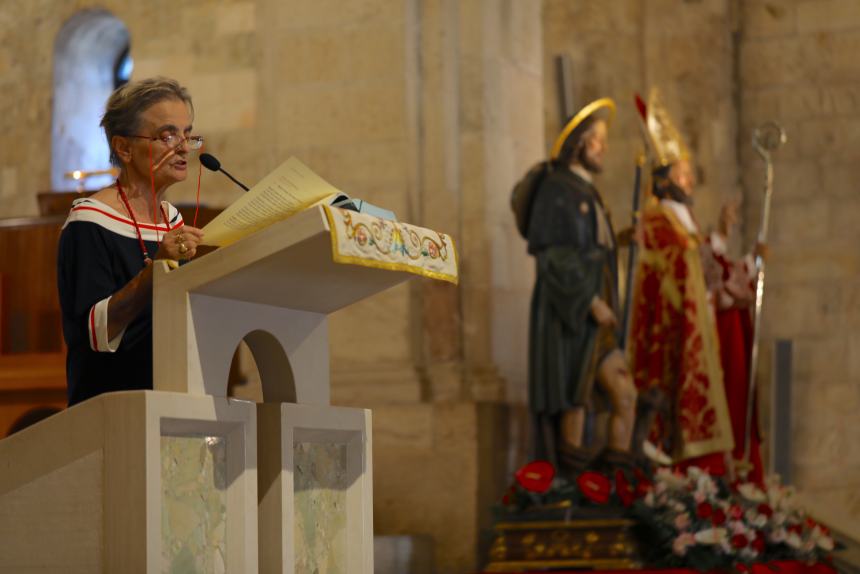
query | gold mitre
(665,141)
(577,119)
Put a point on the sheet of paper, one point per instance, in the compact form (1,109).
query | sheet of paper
(290,188)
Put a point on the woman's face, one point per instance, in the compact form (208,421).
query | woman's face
(682,175)
(169,160)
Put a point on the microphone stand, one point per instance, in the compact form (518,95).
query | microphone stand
(236,181)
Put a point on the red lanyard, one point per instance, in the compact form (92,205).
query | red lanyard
(143,249)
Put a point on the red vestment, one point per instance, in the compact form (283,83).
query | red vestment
(674,345)
(734,294)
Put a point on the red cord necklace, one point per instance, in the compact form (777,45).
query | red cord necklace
(122,196)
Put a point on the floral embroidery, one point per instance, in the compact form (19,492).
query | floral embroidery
(387,237)
(375,242)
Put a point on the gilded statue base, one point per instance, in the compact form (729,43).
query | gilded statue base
(590,543)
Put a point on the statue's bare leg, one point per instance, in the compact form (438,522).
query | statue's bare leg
(614,377)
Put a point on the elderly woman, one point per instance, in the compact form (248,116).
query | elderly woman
(110,239)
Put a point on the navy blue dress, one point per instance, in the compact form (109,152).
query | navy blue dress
(99,253)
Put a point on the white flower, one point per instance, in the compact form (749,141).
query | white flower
(793,540)
(817,532)
(694,472)
(699,497)
(680,544)
(778,535)
(779,518)
(706,484)
(649,499)
(752,493)
(670,479)
(825,543)
(677,506)
(755,519)
(711,536)
(738,527)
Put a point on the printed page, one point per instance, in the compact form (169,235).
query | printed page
(289,189)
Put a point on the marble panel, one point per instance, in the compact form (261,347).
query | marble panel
(193,504)
(320,483)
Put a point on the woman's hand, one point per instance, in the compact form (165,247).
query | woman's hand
(180,243)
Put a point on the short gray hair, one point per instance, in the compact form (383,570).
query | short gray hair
(129,101)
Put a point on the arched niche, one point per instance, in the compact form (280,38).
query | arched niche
(89,59)
(265,358)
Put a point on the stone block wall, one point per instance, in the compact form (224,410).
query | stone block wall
(623,47)
(798,67)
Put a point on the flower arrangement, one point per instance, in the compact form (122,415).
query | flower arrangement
(693,520)
(685,520)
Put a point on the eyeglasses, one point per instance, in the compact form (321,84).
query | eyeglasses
(174,140)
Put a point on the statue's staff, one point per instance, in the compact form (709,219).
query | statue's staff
(634,244)
(767,138)
(631,253)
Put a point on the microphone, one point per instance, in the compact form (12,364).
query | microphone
(211,163)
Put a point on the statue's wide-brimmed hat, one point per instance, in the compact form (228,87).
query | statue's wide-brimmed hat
(663,138)
(594,107)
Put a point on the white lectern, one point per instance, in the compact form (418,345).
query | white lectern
(183,479)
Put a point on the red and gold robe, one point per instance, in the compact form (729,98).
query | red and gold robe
(735,294)
(674,344)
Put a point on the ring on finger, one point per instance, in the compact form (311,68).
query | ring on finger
(183,249)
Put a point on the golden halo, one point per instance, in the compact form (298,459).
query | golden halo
(577,119)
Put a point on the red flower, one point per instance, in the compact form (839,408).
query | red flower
(536,476)
(796,528)
(719,517)
(594,486)
(758,543)
(623,488)
(643,484)
(736,512)
(765,509)
(810,523)
(704,510)
(739,541)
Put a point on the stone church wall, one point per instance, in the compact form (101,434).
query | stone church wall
(798,66)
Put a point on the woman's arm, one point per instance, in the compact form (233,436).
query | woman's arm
(127,303)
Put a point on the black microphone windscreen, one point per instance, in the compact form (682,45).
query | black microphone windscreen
(210,162)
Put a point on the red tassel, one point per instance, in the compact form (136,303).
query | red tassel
(641,107)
